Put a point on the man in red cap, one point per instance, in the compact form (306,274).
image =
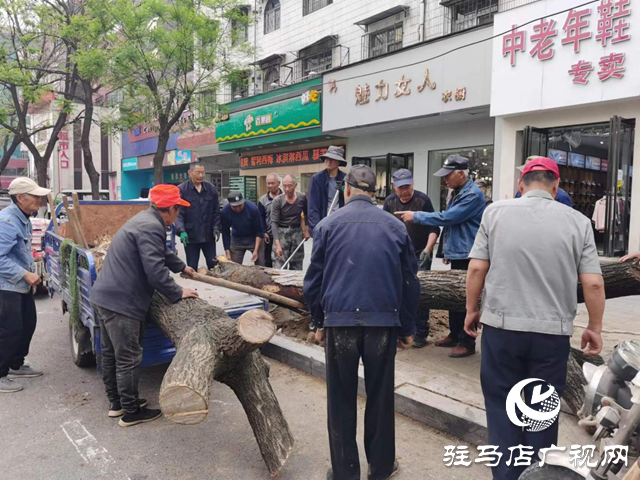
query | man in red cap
(529,255)
(138,263)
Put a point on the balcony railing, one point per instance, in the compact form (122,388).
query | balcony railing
(382,41)
(310,66)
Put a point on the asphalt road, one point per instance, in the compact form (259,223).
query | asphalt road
(57,428)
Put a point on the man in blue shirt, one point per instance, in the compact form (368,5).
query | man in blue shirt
(461,221)
(241,228)
(17,308)
(364,295)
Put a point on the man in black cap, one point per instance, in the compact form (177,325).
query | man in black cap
(325,188)
(241,228)
(461,221)
(364,295)
(423,237)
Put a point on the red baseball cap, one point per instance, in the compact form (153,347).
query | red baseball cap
(541,164)
(164,196)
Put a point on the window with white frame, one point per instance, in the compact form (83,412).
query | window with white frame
(272,16)
(310,6)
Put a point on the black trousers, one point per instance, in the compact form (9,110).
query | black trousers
(344,346)
(18,320)
(422,317)
(507,358)
(456,319)
(268,247)
(121,343)
(193,254)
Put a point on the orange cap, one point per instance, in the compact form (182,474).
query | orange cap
(164,196)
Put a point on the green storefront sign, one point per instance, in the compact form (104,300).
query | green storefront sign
(291,115)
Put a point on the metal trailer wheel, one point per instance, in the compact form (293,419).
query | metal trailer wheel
(549,472)
(81,348)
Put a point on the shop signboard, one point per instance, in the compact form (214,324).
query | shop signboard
(144,131)
(129,164)
(269,120)
(296,157)
(439,77)
(561,53)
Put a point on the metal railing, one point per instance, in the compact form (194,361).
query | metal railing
(453,16)
(382,41)
(311,66)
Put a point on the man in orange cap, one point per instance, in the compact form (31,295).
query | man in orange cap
(138,264)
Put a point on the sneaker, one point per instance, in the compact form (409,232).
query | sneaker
(394,471)
(419,342)
(143,415)
(447,341)
(25,371)
(115,409)
(9,386)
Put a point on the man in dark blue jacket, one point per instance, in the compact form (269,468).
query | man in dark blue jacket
(461,221)
(241,229)
(199,224)
(324,185)
(364,295)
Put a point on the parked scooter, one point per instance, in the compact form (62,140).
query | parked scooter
(612,406)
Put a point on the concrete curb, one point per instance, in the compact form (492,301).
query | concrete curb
(433,409)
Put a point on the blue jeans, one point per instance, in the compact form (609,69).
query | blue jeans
(121,342)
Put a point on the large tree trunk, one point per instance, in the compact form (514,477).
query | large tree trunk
(446,291)
(211,345)
(85,140)
(440,290)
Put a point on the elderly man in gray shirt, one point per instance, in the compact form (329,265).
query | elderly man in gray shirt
(287,211)
(529,255)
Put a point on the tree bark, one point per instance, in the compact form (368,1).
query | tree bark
(446,291)
(158,158)
(440,290)
(211,345)
(85,140)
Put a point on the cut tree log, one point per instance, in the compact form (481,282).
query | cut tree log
(440,290)
(211,345)
(447,291)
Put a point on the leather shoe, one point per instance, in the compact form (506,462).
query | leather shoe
(460,351)
(446,342)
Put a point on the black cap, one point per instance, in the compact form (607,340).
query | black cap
(361,177)
(235,199)
(451,164)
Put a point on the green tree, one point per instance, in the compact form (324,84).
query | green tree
(165,56)
(36,68)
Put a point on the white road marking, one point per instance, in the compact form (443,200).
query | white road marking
(91,452)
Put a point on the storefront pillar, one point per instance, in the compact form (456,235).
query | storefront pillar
(504,161)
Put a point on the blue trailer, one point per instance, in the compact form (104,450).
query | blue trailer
(85,339)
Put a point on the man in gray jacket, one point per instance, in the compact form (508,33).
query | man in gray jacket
(137,264)
(529,256)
